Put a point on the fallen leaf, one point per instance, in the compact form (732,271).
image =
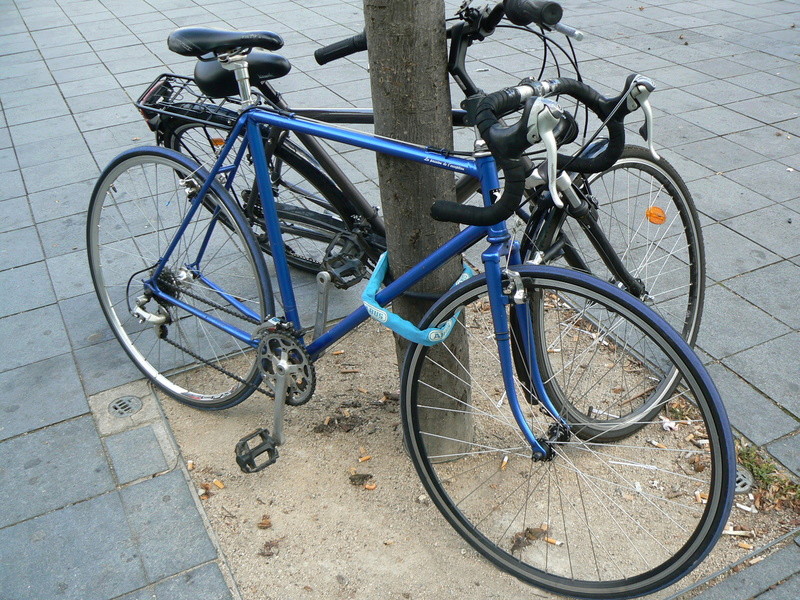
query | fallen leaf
(265,522)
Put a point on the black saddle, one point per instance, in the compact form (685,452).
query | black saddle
(216,82)
(196,41)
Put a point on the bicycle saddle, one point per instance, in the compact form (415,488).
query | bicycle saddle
(216,82)
(196,41)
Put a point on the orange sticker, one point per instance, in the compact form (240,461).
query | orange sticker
(656,215)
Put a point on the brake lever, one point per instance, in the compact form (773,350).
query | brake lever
(544,116)
(641,87)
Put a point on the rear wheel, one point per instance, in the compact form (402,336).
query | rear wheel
(216,269)
(598,520)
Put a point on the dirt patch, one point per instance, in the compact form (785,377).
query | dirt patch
(342,514)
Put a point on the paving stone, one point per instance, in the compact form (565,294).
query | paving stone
(8,160)
(773,368)
(729,254)
(39,131)
(59,148)
(719,154)
(135,454)
(59,36)
(766,141)
(108,117)
(31,396)
(13,186)
(787,451)
(60,172)
(757,578)
(720,120)
(89,86)
(771,180)
(83,552)
(63,236)
(84,321)
(25,288)
(19,247)
(168,529)
(721,334)
(754,108)
(786,590)
(16,214)
(741,400)
(91,102)
(204,582)
(51,468)
(61,201)
(721,198)
(104,366)
(771,228)
(767,288)
(31,336)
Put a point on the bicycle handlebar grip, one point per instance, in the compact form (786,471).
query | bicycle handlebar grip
(453,212)
(506,149)
(525,12)
(342,48)
(602,107)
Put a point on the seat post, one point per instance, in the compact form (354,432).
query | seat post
(238,64)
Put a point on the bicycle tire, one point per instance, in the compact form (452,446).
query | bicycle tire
(137,205)
(624,194)
(296,182)
(599,520)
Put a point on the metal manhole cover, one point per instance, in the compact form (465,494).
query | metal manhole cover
(744,480)
(125,406)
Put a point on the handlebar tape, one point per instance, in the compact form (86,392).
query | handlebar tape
(525,12)
(342,48)
(602,107)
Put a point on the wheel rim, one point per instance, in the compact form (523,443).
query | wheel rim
(135,211)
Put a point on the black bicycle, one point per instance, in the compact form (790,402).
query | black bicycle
(633,224)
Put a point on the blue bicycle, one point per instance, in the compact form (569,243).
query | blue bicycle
(495,368)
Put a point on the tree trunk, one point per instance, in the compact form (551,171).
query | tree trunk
(411,99)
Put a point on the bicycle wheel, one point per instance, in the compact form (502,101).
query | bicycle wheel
(305,197)
(137,207)
(598,520)
(649,218)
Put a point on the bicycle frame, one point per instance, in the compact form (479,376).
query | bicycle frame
(500,247)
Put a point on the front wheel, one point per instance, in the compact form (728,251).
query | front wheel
(598,520)
(216,276)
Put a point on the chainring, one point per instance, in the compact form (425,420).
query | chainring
(281,352)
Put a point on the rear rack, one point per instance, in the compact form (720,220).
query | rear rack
(177,96)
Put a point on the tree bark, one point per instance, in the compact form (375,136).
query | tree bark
(411,99)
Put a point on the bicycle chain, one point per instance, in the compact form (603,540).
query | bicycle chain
(197,356)
(222,370)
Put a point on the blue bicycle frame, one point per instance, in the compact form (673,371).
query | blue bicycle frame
(500,247)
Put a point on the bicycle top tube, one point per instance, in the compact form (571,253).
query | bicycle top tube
(398,148)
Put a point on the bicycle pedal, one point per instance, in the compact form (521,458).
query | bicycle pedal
(246,455)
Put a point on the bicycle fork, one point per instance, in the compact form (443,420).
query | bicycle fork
(523,355)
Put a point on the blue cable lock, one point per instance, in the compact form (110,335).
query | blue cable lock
(406,329)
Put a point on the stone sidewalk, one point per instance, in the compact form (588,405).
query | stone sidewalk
(94,499)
